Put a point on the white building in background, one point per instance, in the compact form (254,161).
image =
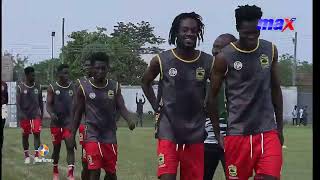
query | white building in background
(6,68)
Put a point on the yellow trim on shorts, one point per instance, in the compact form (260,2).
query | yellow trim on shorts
(244,51)
(191,61)
(160,63)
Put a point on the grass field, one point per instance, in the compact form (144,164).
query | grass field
(137,156)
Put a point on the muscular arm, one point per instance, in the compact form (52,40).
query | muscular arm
(40,101)
(18,100)
(276,94)
(78,110)
(122,108)
(150,74)
(217,77)
(50,101)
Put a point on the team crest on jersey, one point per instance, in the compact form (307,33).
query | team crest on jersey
(57,92)
(200,72)
(110,94)
(36,91)
(161,160)
(264,61)
(237,65)
(70,92)
(173,72)
(232,170)
(25,91)
(92,95)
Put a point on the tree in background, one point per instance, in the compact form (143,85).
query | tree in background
(285,68)
(124,45)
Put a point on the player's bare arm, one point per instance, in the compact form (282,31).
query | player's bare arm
(79,109)
(150,74)
(50,101)
(216,79)
(276,94)
(18,99)
(40,102)
(123,110)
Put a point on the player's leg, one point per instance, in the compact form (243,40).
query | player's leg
(95,160)
(56,141)
(94,174)
(84,171)
(26,130)
(269,164)
(192,161)
(36,129)
(167,160)
(223,161)
(110,157)
(211,161)
(70,152)
(239,157)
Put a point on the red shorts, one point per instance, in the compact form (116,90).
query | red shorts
(31,126)
(58,134)
(81,133)
(101,155)
(190,156)
(261,152)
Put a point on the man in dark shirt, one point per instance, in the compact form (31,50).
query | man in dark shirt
(140,104)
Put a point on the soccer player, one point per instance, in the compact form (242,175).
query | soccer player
(59,106)
(182,89)
(30,112)
(100,98)
(85,172)
(249,68)
(140,104)
(213,153)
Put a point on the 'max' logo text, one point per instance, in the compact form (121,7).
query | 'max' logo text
(276,24)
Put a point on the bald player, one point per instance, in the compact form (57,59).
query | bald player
(213,152)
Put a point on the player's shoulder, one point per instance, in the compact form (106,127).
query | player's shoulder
(206,56)
(265,42)
(113,82)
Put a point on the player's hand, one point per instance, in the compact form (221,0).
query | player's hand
(221,142)
(281,138)
(131,125)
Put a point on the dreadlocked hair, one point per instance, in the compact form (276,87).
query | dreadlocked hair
(176,23)
(247,13)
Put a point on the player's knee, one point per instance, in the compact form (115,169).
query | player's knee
(110,176)
(264,177)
